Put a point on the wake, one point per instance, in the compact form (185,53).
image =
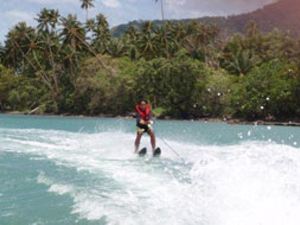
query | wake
(247,183)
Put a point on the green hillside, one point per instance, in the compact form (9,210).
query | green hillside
(283,15)
(185,70)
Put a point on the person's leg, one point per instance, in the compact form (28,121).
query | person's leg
(153,139)
(137,141)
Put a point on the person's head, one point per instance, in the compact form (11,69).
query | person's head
(143,104)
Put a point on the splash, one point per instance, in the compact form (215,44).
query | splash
(247,183)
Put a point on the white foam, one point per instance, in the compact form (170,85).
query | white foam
(248,183)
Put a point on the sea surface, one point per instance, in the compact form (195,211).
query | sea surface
(67,171)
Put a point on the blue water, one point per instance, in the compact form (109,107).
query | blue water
(57,170)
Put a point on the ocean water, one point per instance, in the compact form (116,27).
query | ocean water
(66,171)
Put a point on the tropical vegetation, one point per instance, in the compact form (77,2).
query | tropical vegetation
(186,70)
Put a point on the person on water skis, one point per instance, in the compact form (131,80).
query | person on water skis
(144,124)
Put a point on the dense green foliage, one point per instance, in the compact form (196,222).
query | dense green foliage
(185,70)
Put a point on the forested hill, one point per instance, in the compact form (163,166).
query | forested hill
(65,66)
(283,15)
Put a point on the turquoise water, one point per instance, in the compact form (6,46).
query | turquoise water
(56,170)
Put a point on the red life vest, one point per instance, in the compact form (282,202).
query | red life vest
(144,114)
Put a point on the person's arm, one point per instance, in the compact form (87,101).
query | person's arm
(150,121)
(138,118)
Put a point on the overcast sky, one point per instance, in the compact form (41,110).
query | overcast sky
(122,11)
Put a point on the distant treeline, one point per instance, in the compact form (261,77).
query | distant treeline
(64,66)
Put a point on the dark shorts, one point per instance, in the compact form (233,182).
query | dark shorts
(142,128)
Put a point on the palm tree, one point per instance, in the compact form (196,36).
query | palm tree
(165,39)
(89,29)
(238,60)
(47,18)
(43,20)
(46,51)
(2,53)
(73,38)
(17,44)
(50,49)
(102,35)
(146,42)
(179,34)
(72,32)
(53,18)
(24,50)
(162,9)
(200,40)
(116,48)
(47,22)
(90,25)
(132,34)
(130,39)
(86,4)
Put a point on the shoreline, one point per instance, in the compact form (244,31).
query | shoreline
(235,121)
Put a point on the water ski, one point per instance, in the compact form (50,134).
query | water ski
(157,152)
(143,152)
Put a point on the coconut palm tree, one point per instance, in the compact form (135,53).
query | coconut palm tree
(86,4)
(162,9)
(24,50)
(90,25)
(17,44)
(166,40)
(132,34)
(146,42)
(116,48)
(102,35)
(47,20)
(2,53)
(200,40)
(238,60)
(130,39)
(43,20)
(73,37)
(53,18)
(72,32)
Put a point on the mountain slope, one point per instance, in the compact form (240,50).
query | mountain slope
(283,15)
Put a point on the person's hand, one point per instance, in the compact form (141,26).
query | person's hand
(149,124)
(143,122)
